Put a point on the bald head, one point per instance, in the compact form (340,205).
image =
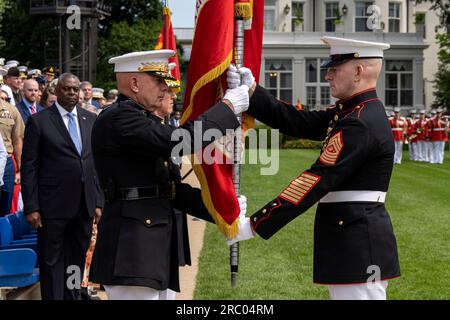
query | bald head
(67,91)
(353,76)
(370,70)
(145,89)
(31,90)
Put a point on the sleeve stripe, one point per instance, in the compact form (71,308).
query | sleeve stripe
(299,188)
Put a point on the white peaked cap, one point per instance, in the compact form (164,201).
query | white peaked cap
(342,50)
(155,62)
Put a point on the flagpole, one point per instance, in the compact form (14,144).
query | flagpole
(242,11)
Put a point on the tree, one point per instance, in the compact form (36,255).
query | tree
(4,5)
(442,80)
(124,38)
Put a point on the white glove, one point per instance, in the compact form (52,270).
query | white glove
(234,77)
(239,98)
(245,228)
(242,205)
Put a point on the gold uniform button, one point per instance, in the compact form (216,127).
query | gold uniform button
(357,107)
(255,219)
(274,204)
(264,211)
(341,222)
(148,222)
(341,106)
(336,118)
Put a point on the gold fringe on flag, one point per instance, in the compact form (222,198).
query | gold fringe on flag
(230,231)
(243,10)
(204,80)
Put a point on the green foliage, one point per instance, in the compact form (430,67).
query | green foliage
(124,38)
(282,267)
(26,36)
(419,18)
(302,144)
(442,8)
(131,12)
(442,81)
(4,5)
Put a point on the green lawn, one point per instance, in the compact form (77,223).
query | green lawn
(281,268)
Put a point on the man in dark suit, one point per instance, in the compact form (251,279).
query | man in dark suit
(136,254)
(60,189)
(355,250)
(29,104)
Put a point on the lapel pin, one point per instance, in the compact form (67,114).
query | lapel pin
(84,118)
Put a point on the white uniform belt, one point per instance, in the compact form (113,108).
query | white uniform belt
(397,129)
(439,129)
(354,196)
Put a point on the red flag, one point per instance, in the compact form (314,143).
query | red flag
(166,40)
(212,52)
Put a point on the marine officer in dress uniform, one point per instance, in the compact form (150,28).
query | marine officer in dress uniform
(136,255)
(353,235)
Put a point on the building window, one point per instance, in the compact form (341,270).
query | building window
(278,78)
(297,16)
(331,14)
(361,16)
(399,83)
(269,15)
(394,17)
(317,88)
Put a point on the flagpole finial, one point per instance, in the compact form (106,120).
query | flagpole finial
(243,9)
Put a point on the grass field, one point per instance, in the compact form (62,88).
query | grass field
(281,268)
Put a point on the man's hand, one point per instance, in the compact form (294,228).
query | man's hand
(234,77)
(245,228)
(239,98)
(98,215)
(34,219)
(17,178)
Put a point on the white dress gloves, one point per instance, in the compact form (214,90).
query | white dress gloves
(239,98)
(234,77)
(245,228)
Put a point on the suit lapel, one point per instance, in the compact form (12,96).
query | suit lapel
(59,124)
(25,109)
(84,130)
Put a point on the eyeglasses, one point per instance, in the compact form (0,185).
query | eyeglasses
(8,99)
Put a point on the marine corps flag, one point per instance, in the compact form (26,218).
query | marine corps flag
(166,40)
(212,53)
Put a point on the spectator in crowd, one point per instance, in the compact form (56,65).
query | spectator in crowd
(86,87)
(47,99)
(60,189)
(175,120)
(29,104)
(49,73)
(112,96)
(97,96)
(14,82)
(86,106)
(12,131)
(3,159)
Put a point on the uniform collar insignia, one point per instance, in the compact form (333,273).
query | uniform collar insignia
(347,105)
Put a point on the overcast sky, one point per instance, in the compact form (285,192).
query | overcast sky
(183,12)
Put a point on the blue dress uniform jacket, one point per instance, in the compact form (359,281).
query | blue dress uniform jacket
(137,241)
(357,155)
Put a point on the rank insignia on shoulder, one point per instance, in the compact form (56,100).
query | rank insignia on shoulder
(332,149)
(299,188)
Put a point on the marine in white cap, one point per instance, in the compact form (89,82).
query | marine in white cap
(349,179)
(399,129)
(133,152)
(412,137)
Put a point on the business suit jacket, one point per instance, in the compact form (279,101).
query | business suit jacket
(25,112)
(53,173)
